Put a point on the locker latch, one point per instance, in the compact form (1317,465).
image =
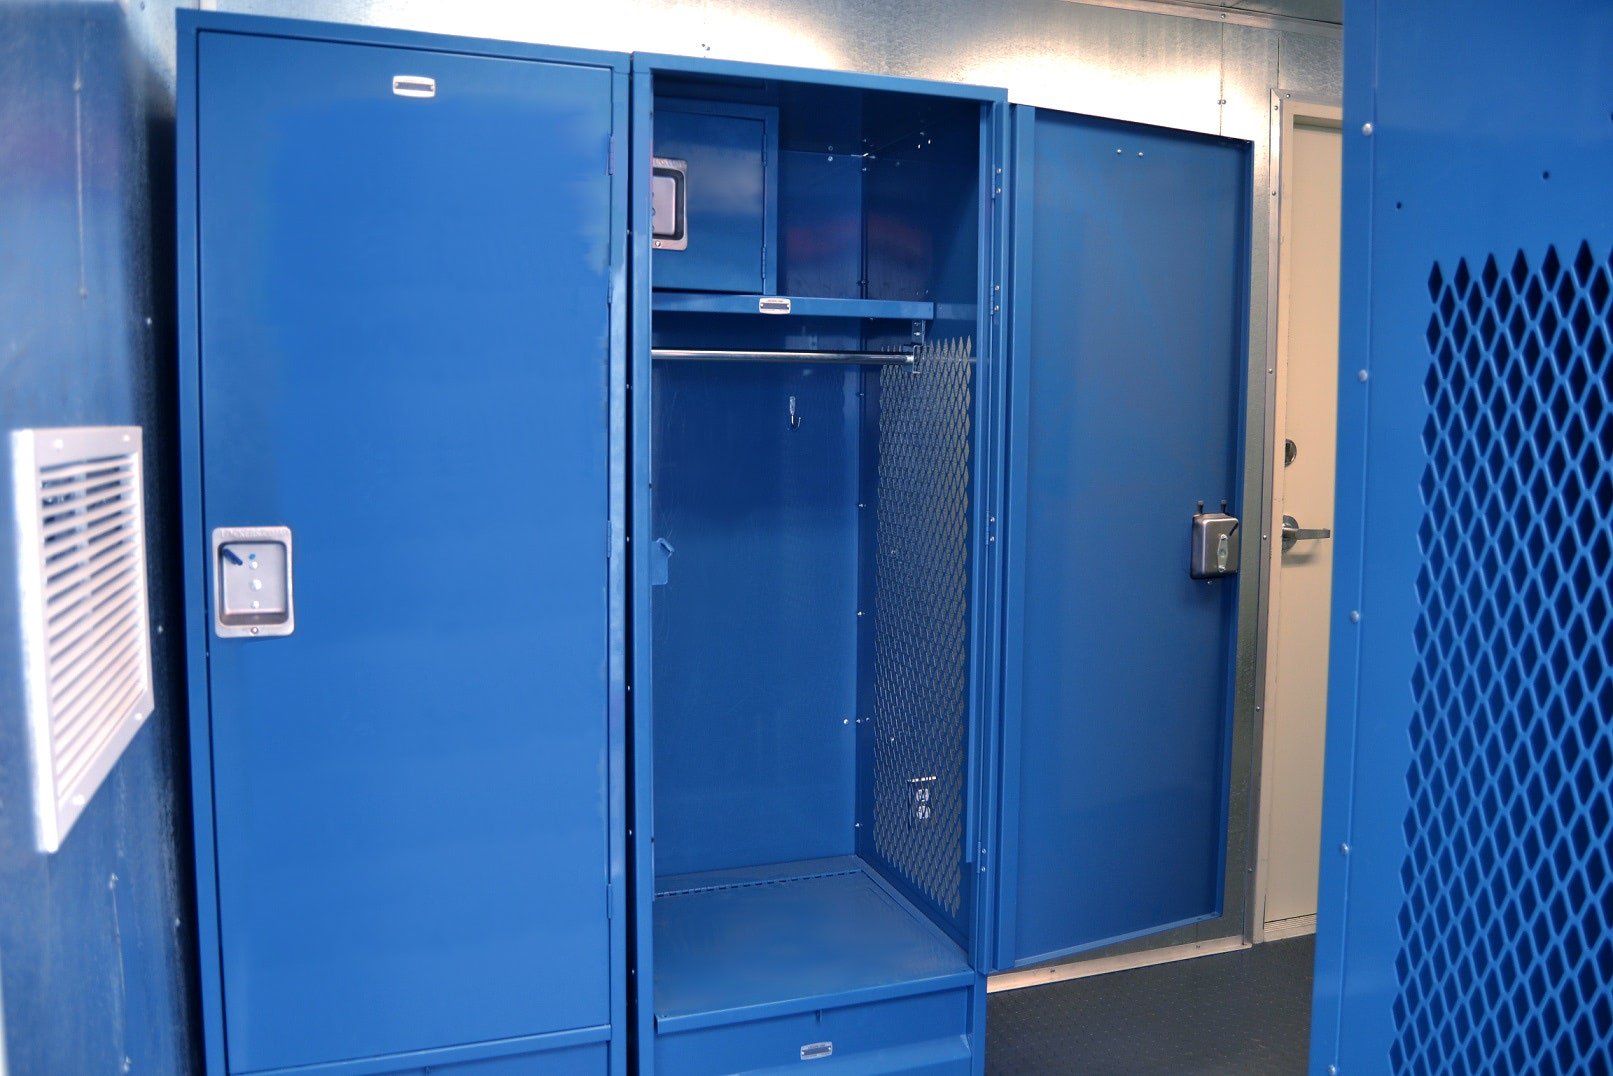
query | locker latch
(1215,544)
(252,582)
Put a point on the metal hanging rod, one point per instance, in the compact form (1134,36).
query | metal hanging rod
(833,358)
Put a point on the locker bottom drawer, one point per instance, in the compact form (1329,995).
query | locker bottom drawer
(924,1033)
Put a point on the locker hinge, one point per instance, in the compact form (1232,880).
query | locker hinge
(610,538)
(610,157)
(764,263)
(610,901)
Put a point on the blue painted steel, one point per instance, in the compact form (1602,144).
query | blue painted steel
(814,305)
(732,195)
(755,630)
(1129,307)
(888,1035)
(929,1034)
(560,1053)
(384,836)
(98,970)
(801,938)
(1465,890)
(821,245)
(809,79)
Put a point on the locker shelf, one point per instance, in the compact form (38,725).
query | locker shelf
(700,302)
(740,945)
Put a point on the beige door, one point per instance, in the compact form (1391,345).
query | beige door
(1302,572)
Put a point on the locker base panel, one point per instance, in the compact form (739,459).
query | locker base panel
(560,1053)
(761,967)
(923,1033)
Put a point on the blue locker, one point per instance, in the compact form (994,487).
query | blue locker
(794,903)
(897,720)
(890,731)
(408,806)
(1466,894)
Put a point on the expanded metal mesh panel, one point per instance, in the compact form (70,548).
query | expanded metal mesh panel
(1506,960)
(921,619)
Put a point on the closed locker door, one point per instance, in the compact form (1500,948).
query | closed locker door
(1128,345)
(405,342)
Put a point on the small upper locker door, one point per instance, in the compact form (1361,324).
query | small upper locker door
(1128,345)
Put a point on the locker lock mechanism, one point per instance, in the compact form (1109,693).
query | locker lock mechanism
(1215,545)
(252,582)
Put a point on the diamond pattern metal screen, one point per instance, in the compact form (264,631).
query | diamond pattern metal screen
(921,619)
(1506,961)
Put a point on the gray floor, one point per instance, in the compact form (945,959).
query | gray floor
(1239,1013)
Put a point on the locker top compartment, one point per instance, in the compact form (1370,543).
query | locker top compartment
(807,196)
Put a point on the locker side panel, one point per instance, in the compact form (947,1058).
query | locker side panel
(1466,894)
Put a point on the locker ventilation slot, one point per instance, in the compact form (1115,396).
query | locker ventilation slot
(1506,960)
(921,617)
(82,578)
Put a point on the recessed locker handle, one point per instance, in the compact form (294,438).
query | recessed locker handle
(252,582)
(414,86)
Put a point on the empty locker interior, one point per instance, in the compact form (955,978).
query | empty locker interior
(808,720)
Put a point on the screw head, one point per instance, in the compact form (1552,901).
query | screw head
(1355,616)
(1366,129)
(1344,849)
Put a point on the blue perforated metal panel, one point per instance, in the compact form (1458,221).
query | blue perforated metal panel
(1507,926)
(921,636)
(1465,898)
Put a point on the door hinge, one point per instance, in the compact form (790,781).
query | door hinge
(764,266)
(610,157)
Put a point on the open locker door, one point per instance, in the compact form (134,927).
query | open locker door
(1127,349)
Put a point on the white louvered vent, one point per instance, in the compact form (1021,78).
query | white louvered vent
(81,563)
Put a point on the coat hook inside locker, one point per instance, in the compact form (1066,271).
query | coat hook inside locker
(795,419)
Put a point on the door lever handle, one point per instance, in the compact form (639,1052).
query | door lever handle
(1293,532)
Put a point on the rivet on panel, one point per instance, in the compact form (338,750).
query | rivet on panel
(1344,849)
(1366,129)
(1361,375)
(1355,616)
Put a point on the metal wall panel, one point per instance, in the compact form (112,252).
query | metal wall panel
(97,938)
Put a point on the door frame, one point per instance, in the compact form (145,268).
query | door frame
(1287,109)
